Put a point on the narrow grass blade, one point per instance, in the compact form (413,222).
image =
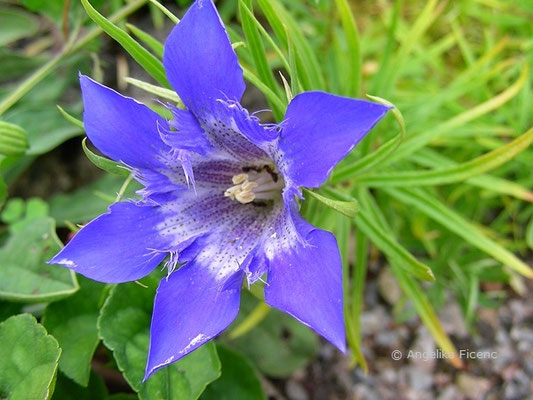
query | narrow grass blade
(165,11)
(255,317)
(15,95)
(309,72)
(432,159)
(427,314)
(353,80)
(153,44)
(453,221)
(257,50)
(296,86)
(104,163)
(453,174)
(148,61)
(415,142)
(388,245)
(412,289)
(376,157)
(270,95)
(358,285)
(156,90)
(348,208)
(73,120)
(418,28)
(266,35)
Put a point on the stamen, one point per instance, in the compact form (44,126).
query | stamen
(240,178)
(257,184)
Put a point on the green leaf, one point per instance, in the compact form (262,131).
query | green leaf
(153,89)
(70,48)
(89,201)
(269,94)
(238,380)
(146,60)
(278,345)
(415,142)
(348,208)
(15,65)
(353,80)
(388,245)
(8,309)
(427,313)
(16,25)
(46,128)
(280,19)
(66,389)
(155,45)
(529,234)
(28,359)
(24,274)
(13,139)
(257,50)
(73,323)
(13,211)
(3,191)
(453,174)
(430,158)
(124,325)
(73,120)
(104,163)
(410,287)
(453,221)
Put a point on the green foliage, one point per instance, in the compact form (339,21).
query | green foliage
(238,380)
(67,389)
(28,359)
(13,139)
(148,61)
(104,163)
(348,208)
(24,274)
(88,202)
(278,345)
(73,323)
(124,327)
(16,25)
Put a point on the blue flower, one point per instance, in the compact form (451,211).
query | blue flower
(219,195)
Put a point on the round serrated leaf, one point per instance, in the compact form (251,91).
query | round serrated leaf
(24,274)
(73,323)
(28,359)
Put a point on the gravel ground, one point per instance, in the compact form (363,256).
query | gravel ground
(505,371)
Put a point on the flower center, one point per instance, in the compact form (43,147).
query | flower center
(255,184)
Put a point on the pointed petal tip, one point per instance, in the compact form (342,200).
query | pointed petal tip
(199,60)
(339,343)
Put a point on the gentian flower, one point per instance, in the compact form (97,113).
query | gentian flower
(220,195)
